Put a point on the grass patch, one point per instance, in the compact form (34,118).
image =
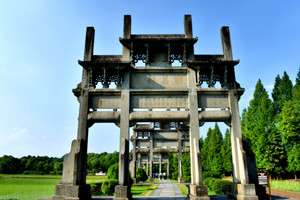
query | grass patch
(146,190)
(95,179)
(155,181)
(285,185)
(184,189)
(20,186)
(27,186)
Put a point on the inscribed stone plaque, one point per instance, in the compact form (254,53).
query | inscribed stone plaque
(213,101)
(159,101)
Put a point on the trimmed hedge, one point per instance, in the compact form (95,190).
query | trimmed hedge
(218,185)
(108,186)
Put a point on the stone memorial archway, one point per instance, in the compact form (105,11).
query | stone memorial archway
(175,90)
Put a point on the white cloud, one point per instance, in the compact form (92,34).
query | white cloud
(17,134)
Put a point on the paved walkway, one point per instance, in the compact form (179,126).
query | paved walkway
(167,189)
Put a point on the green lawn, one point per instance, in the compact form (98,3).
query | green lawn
(34,187)
(146,190)
(27,187)
(291,186)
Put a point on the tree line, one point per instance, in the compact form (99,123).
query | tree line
(49,165)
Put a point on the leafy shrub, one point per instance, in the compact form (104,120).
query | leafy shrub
(220,186)
(141,174)
(211,183)
(95,188)
(207,180)
(113,171)
(108,186)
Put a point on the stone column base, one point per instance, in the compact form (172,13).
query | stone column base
(134,180)
(74,192)
(150,180)
(180,180)
(122,192)
(198,192)
(243,192)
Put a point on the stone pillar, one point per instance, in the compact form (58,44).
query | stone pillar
(147,165)
(168,168)
(74,170)
(123,191)
(240,189)
(134,156)
(151,157)
(197,189)
(160,163)
(180,175)
(139,160)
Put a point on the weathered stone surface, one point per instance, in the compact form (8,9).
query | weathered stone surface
(246,189)
(71,192)
(199,190)
(60,190)
(242,192)
(122,192)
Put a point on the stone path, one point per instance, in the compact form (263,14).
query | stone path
(167,189)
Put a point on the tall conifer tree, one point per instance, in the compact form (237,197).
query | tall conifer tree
(256,122)
(226,153)
(289,127)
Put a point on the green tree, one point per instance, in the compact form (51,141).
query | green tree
(173,162)
(275,156)
(289,127)
(285,91)
(113,171)
(226,153)
(9,165)
(58,167)
(257,122)
(211,157)
(186,167)
(205,159)
(141,174)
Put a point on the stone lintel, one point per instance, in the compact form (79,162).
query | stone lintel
(157,39)
(122,193)
(153,116)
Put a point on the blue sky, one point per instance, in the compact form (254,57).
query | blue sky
(41,41)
